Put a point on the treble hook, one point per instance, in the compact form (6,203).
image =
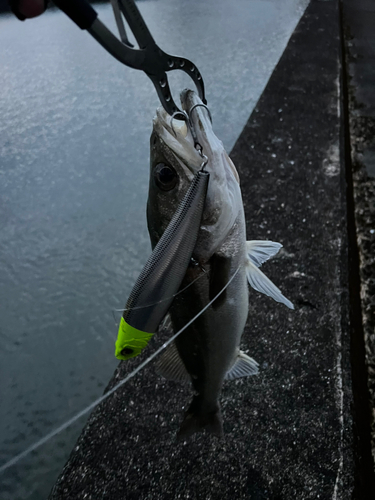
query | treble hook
(203,106)
(186,116)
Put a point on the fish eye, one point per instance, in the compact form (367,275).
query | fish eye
(165,177)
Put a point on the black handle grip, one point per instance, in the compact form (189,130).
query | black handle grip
(79,11)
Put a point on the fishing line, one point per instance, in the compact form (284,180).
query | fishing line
(95,403)
(155,303)
(167,298)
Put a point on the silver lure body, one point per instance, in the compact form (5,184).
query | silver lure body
(210,346)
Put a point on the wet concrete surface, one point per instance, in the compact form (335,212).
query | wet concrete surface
(359,22)
(289,433)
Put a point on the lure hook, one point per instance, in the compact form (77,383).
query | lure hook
(198,146)
(186,116)
(200,104)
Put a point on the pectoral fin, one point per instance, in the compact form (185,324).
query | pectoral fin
(244,366)
(261,283)
(171,366)
(258,251)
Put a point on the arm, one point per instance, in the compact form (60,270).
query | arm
(25,9)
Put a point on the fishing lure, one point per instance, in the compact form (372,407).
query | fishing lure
(163,273)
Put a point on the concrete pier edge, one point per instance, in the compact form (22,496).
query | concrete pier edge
(358,19)
(364,470)
(297,430)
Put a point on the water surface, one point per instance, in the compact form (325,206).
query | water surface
(74,153)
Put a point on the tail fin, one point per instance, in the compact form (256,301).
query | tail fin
(198,419)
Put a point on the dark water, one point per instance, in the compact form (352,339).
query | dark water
(74,132)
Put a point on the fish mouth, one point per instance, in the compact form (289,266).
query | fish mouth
(200,121)
(186,134)
(183,133)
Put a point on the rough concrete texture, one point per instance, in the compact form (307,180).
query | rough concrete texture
(359,22)
(288,431)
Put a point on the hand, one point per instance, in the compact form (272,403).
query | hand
(25,9)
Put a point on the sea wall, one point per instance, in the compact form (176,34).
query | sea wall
(296,430)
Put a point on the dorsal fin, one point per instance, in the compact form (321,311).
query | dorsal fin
(171,366)
(244,366)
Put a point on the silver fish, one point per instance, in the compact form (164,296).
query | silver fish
(207,352)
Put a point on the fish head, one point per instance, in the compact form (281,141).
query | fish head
(175,160)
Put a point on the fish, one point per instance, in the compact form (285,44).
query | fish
(208,351)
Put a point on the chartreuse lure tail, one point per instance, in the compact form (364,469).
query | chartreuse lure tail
(162,275)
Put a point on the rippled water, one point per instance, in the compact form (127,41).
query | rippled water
(74,132)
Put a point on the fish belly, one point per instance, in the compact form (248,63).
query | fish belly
(208,346)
